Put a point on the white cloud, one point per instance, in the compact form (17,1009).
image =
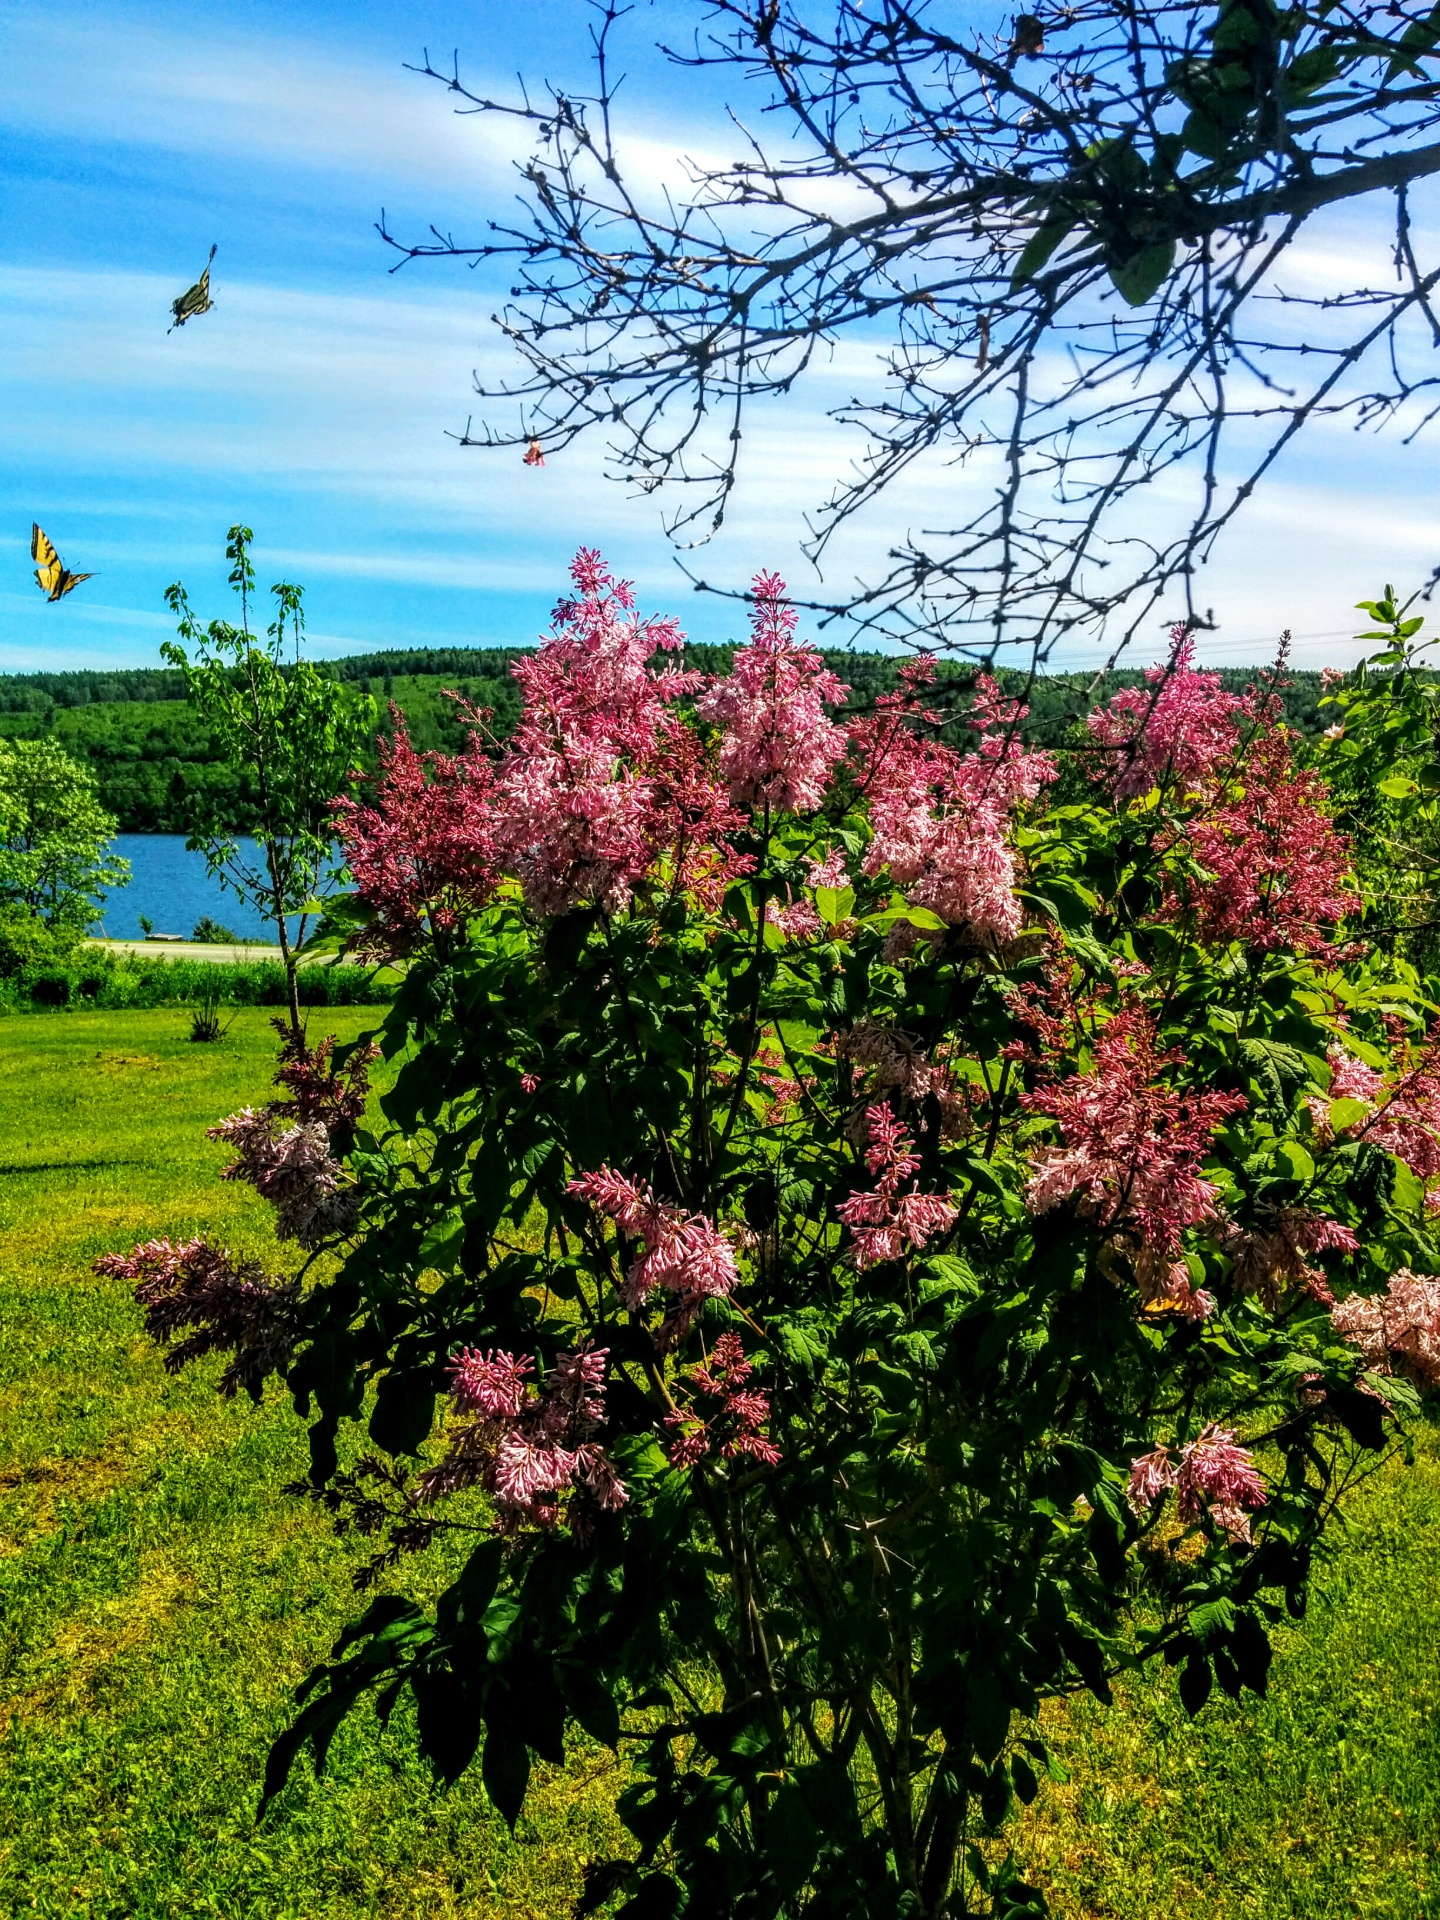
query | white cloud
(131,77)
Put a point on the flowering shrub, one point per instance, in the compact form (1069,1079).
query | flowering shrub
(889,1241)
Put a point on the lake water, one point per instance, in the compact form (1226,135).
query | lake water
(171,887)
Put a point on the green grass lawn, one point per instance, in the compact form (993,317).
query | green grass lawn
(159,1596)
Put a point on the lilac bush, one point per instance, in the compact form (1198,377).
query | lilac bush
(877,1222)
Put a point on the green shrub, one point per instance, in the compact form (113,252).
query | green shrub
(27,943)
(211,933)
(100,980)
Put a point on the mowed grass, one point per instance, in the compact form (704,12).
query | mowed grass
(160,1596)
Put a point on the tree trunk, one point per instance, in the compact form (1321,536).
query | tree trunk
(287,958)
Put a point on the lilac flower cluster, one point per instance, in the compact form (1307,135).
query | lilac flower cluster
(232,1308)
(1209,1475)
(528,1447)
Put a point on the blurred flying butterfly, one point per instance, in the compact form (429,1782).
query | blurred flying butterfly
(52,576)
(194,300)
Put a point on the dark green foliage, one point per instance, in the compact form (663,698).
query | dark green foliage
(209,932)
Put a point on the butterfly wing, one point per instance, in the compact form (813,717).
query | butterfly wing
(48,570)
(195,300)
(52,576)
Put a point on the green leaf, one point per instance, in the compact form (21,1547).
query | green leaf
(1023,1776)
(804,1346)
(404,1412)
(791,1839)
(639,1458)
(1212,1617)
(1398,786)
(1137,279)
(505,1765)
(590,1701)
(1345,1114)
(441,1245)
(1196,1680)
(447,1718)
(1250,1650)
(988,1715)
(467,1600)
(1038,249)
(1296,1160)
(1361,1415)
(656,1899)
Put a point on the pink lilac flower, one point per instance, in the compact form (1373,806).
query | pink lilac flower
(1405,1108)
(1165,1285)
(784,1091)
(798,921)
(1277,871)
(1151,1476)
(734,1425)
(1268,1261)
(1130,1154)
(574,792)
(1180,724)
(604,785)
(526,1445)
(320,1091)
(1131,1148)
(422,842)
(1397,1331)
(490,1383)
(941,819)
(898,1068)
(294,1170)
(831,872)
(683,1253)
(884,1222)
(1210,1473)
(1213,1469)
(1351,1079)
(778,747)
(232,1308)
(692,817)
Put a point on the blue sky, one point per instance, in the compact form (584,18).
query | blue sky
(314,402)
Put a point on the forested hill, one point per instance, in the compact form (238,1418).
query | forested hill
(133,728)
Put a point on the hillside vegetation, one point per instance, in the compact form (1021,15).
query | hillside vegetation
(152,756)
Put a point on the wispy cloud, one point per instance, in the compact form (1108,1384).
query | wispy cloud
(190,83)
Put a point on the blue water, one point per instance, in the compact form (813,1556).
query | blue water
(171,886)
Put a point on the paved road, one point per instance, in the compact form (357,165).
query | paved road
(186,950)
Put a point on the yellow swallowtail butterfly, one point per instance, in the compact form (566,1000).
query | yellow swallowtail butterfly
(52,576)
(194,300)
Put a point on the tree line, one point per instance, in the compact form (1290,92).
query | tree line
(154,759)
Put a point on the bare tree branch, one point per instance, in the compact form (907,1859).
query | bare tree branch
(1063,242)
